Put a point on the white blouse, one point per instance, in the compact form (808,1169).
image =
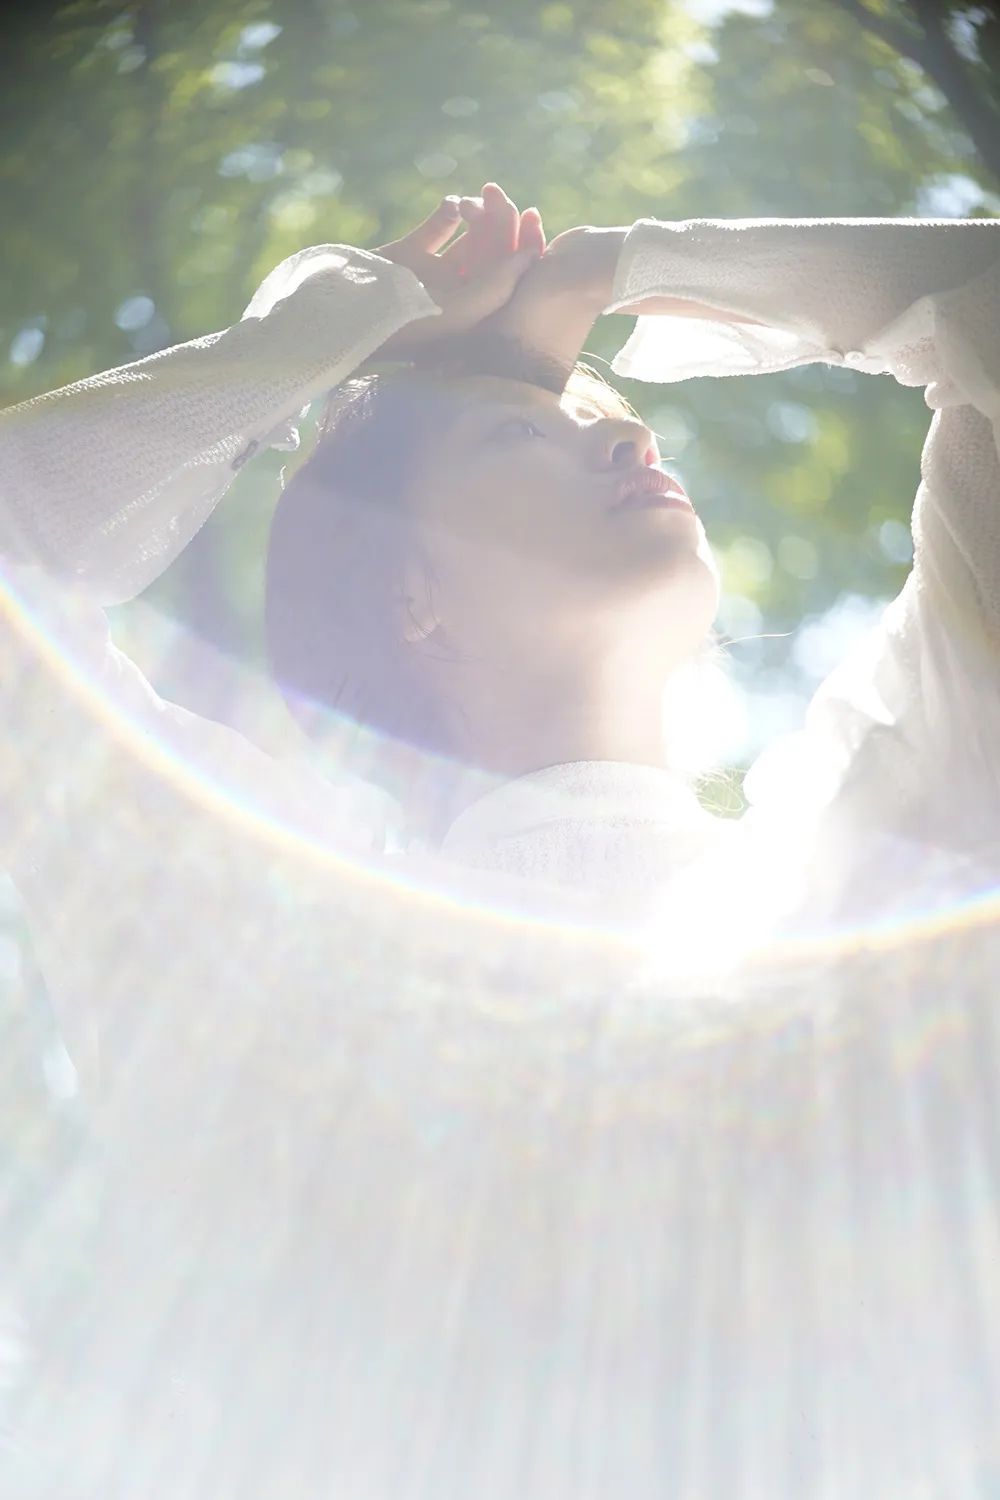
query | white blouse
(419,1187)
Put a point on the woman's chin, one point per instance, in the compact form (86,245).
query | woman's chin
(678,554)
(688,585)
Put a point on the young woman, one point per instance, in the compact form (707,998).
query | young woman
(479,588)
(484,562)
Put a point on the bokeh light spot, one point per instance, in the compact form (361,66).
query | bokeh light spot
(460,107)
(896,541)
(436,164)
(26,346)
(134,312)
(798,557)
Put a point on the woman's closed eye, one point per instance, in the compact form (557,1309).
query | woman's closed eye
(515,429)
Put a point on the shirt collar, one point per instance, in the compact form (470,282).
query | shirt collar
(593,791)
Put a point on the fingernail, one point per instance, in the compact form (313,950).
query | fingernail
(452,202)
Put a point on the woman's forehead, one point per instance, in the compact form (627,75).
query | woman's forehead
(498,390)
(478,393)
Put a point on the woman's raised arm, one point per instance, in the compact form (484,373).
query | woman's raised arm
(107,791)
(907,736)
(911,735)
(105,481)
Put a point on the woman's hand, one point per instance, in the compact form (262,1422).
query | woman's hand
(472,276)
(559,298)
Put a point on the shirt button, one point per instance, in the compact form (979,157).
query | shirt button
(248,452)
(855,358)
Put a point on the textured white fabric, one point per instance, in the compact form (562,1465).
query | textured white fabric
(104,482)
(616,832)
(411,1194)
(143,453)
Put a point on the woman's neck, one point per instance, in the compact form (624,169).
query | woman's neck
(510,719)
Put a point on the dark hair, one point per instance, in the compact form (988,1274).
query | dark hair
(340,544)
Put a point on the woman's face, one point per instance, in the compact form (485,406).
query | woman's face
(539,517)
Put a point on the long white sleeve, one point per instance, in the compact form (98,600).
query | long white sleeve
(102,783)
(106,481)
(816,288)
(904,738)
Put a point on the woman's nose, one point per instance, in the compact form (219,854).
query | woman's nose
(620,444)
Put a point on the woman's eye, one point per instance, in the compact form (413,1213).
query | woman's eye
(518,427)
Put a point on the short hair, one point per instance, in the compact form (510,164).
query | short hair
(340,543)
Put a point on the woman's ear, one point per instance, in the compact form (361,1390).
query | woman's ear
(418,617)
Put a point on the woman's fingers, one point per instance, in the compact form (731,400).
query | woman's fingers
(473,246)
(465,300)
(531,235)
(476,273)
(435,231)
(503,217)
(491,229)
(491,286)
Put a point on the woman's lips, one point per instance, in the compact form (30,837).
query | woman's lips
(650,489)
